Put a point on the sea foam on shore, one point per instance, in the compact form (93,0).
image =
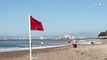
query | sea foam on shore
(19,49)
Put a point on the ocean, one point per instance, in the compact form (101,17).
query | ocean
(14,45)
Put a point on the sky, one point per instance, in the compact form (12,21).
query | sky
(57,16)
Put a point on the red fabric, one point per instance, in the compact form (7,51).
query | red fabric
(35,24)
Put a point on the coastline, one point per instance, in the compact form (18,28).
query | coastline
(86,51)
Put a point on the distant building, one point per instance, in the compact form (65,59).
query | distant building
(103,37)
(41,37)
(67,36)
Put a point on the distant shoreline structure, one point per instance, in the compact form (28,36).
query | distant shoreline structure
(79,38)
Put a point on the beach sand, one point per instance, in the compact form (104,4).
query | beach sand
(82,52)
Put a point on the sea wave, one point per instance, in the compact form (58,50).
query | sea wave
(27,48)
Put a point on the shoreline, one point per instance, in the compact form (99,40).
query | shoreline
(86,51)
(22,49)
(42,47)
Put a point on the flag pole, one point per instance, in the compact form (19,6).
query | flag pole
(30,42)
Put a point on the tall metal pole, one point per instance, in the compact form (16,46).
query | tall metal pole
(30,42)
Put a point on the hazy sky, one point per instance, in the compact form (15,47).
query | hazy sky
(57,16)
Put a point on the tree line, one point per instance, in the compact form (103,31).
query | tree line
(103,33)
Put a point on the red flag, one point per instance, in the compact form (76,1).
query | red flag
(35,24)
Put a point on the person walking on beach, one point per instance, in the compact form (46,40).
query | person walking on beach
(74,42)
(42,43)
(68,41)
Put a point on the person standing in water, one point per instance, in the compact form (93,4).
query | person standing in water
(74,42)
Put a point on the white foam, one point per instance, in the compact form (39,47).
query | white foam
(18,49)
